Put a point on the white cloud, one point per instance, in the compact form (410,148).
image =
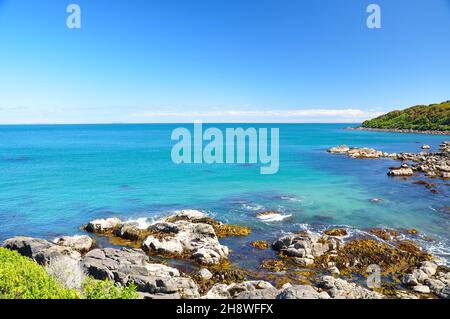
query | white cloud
(296,115)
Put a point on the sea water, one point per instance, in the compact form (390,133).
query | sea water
(54,178)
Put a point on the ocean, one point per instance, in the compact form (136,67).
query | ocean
(55,178)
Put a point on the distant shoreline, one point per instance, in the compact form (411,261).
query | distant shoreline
(394,130)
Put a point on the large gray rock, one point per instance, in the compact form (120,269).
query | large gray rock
(304,247)
(257,289)
(401,172)
(302,292)
(42,251)
(197,240)
(339,288)
(130,265)
(339,149)
(102,226)
(81,244)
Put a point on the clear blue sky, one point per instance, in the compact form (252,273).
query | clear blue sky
(227,60)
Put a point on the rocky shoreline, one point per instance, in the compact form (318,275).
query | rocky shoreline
(329,264)
(432,165)
(393,130)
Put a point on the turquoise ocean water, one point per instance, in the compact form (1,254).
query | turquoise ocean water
(53,179)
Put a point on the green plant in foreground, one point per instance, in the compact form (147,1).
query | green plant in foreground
(97,289)
(22,278)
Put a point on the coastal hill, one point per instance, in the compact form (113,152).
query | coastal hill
(433,117)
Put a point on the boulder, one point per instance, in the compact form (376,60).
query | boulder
(130,231)
(102,226)
(197,240)
(131,265)
(401,172)
(81,243)
(165,246)
(204,274)
(42,251)
(339,288)
(257,289)
(339,149)
(422,289)
(304,247)
(302,292)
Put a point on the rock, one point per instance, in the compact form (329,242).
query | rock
(130,231)
(102,226)
(190,214)
(165,246)
(204,274)
(425,147)
(429,268)
(197,240)
(307,245)
(334,270)
(304,262)
(422,289)
(42,251)
(339,149)
(131,265)
(364,152)
(81,243)
(401,172)
(420,275)
(410,280)
(339,288)
(218,291)
(302,292)
(257,289)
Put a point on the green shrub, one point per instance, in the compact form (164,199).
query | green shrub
(22,278)
(434,117)
(97,289)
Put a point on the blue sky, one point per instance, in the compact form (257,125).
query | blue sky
(220,60)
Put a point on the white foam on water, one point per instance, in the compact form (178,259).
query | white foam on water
(252,207)
(273,217)
(142,222)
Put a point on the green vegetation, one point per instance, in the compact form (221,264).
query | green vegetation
(22,278)
(96,289)
(434,117)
